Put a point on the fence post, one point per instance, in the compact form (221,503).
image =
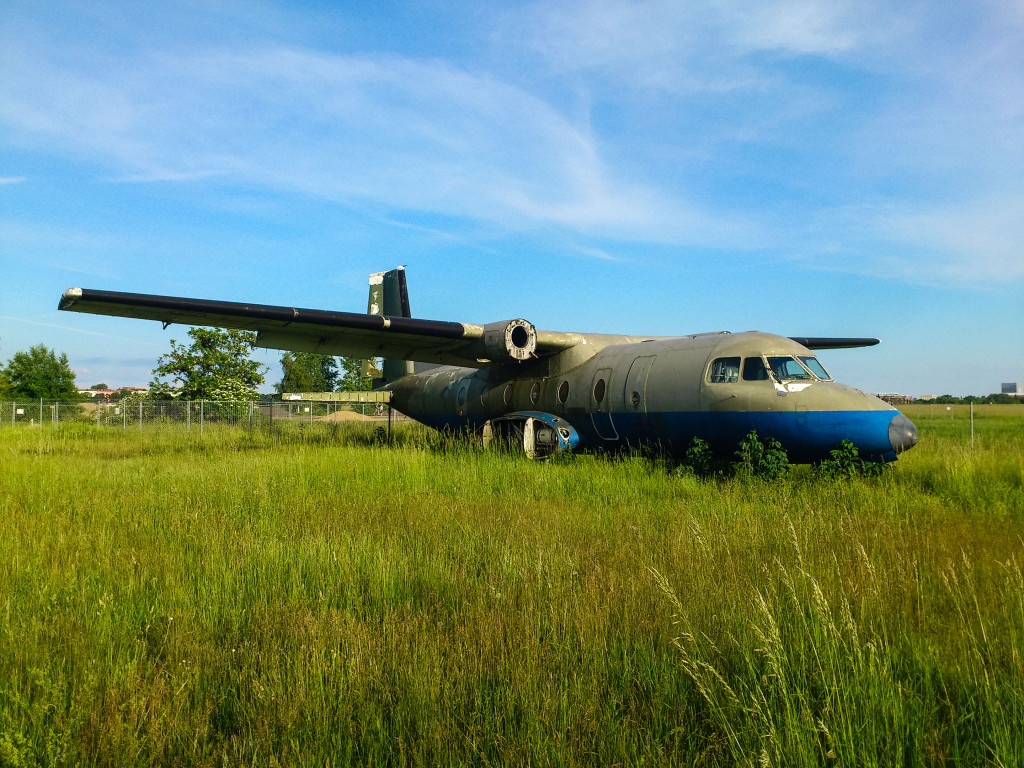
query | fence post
(40,413)
(140,414)
(202,403)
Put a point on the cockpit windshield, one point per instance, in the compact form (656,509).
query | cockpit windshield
(815,367)
(729,370)
(754,370)
(788,369)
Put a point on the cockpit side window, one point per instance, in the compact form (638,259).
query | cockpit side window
(724,370)
(788,368)
(815,367)
(754,370)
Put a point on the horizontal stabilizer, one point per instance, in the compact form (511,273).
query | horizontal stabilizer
(826,342)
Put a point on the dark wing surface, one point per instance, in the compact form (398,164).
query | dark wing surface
(825,342)
(310,330)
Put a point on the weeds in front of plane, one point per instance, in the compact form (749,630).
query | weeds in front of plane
(305,596)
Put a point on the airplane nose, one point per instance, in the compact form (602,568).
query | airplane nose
(902,433)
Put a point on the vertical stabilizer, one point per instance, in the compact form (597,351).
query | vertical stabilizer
(389,296)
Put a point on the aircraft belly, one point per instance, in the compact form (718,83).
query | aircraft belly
(806,435)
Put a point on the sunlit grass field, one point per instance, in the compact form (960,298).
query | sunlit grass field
(306,597)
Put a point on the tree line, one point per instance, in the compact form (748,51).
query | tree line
(997,398)
(214,365)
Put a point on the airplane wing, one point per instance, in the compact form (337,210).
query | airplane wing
(346,334)
(824,342)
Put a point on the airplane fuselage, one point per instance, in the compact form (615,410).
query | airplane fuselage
(619,392)
(558,390)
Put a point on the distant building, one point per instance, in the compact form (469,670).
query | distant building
(892,398)
(1012,388)
(106,394)
(103,394)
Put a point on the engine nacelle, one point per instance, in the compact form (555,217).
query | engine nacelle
(539,434)
(510,340)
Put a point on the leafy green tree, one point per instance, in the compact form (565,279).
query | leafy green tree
(351,378)
(39,373)
(1002,398)
(307,372)
(216,366)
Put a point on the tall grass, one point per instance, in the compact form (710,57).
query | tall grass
(310,597)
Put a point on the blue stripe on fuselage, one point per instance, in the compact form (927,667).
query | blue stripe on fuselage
(806,435)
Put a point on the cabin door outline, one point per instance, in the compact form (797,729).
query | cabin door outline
(636,383)
(601,404)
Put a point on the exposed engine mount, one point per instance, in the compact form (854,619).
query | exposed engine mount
(510,340)
(539,434)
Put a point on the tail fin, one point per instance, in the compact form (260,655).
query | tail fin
(389,296)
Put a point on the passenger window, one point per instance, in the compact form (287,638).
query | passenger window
(787,368)
(815,367)
(724,370)
(754,370)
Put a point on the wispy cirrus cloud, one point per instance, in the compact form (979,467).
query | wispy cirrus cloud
(408,134)
(824,111)
(687,47)
(738,127)
(73,329)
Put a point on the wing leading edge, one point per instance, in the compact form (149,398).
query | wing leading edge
(348,334)
(312,330)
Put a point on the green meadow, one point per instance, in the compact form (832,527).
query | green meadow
(306,596)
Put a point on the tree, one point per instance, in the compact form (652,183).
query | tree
(216,366)
(307,372)
(39,373)
(351,378)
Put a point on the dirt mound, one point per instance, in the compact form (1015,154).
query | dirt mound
(350,416)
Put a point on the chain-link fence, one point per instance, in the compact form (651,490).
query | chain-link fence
(188,414)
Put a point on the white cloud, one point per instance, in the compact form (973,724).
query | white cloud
(690,47)
(405,133)
(73,329)
(983,243)
(784,126)
(5,180)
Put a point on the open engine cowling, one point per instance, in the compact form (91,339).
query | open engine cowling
(539,434)
(510,340)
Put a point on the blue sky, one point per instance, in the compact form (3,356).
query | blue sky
(804,168)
